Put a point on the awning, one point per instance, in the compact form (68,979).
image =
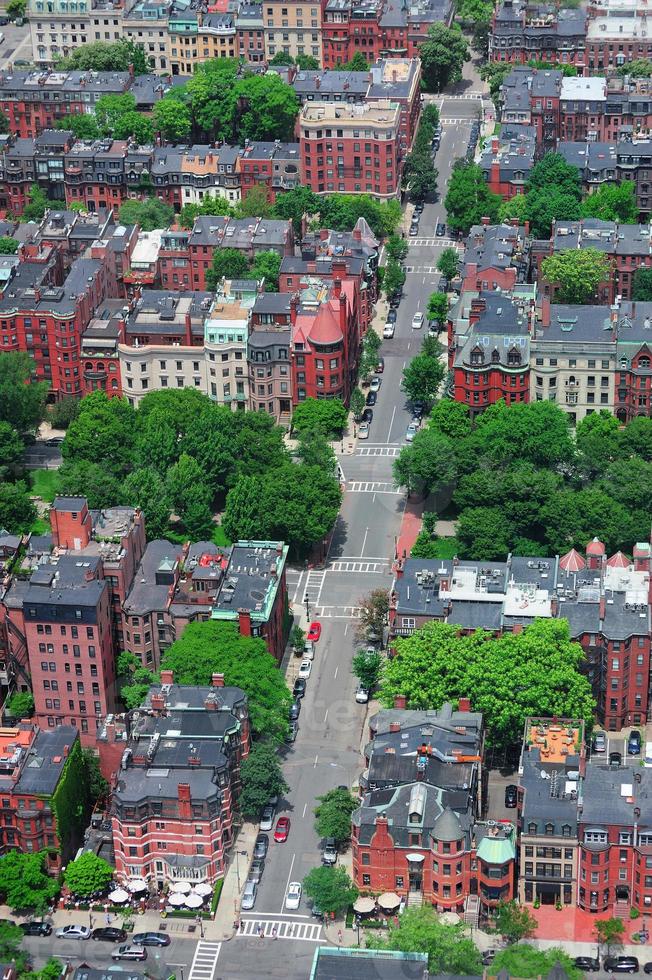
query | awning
(118,896)
(417,858)
(203,888)
(194,901)
(180,887)
(364,905)
(176,898)
(389,900)
(137,885)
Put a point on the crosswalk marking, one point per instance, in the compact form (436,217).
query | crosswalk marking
(378,451)
(310,932)
(358,486)
(431,242)
(312,588)
(204,961)
(338,612)
(375,567)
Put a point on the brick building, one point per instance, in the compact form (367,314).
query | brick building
(520,33)
(507,161)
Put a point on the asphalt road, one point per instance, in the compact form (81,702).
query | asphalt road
(327,750)
(160,964)
(16,44)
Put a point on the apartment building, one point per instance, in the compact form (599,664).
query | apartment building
(196,37)
(250,32)
(521,33)
(57,27)
(226,333)
(351,149)
(496,257)
(146,23)
(507,161)
(177,776)
(292,27)
(616,34)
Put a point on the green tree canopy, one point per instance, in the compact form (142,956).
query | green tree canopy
(228,263)
(610,932)
(212,647)
(63,412)
(507,678)
(270,108)
(451,418)
(468,199)
(577,274)
(91,480)
(333,815)
(326,416)
(8,246)
(109,109)
(172,117)
(294,204)
(639,68)
(262,778)
(422,378)
(134,124)
(483,533)
(393,278)
(367,666)
(438,307)
(101,56)
(17,512)
(449,949)
(87,874)
(448,263)
(267,266)
(373,616)
(396,248)
(255,204)
(145,488)
(641,286)
(149,214)
(419,175)
(102,433)
(21,705)
(442,55)
(357,63)
(24,882)
(612,202)
(553,171)
(331,889)
(427,465)
(523,960)
(209,205)
(82,124)
(514,921)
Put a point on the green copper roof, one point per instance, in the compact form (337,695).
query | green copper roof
(496,850)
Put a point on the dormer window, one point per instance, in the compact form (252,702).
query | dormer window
(514,357)
(477,356)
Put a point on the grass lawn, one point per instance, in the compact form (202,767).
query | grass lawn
(218,536)
(44,484)
(446,547)
(40,526)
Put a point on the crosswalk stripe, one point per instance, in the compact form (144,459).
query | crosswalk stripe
(378,451)
(204,961)
(357,486)
(376,567)
(338,612)
(300,931)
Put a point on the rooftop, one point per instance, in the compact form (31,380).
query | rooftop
(45,761)
(592,89)
(362,964)
(251,579)
(379,113)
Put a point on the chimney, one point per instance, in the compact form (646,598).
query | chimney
(294,302)
(109,731)
(217,680)
(167,677)
(486,220)
(157,702)
(464,704)
(183,795)
(188,330)
(323,234)
(514,222)
(194,760)
(337,288)
(400,702)
(602,608)
(244,622)
(394,726)
(554,606)
(495,145)
(357,235)
(318,82)
(66,750)
(210,703)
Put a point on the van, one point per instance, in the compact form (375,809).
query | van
(647,759)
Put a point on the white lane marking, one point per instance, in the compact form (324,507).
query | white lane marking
(391,423)
(288,881)
(309,932)
(204,961)
(364,540)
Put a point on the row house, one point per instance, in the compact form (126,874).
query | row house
(360,243)
(520,33)
(377,30)
(508,596)
(418,830)
(175,773)
(352,149)
(250,32)
(507,161)
(57,27)
(600,163)
(293,27)
(496,257)
(617,33)
(269,357)
(196,37)
(273,166)
(226,333)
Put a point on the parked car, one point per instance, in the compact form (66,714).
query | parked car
(647,968)
(417,321)
(256,870)
(511,795)
(314,632)
(367,415)
(291,734)
(293,896)
(4,21)
(267,818)
(418,207)
(361,694)
(440,230)
(411,431)
(73,932)
(329,851)
(620,964)
(372,398)
(304,669)
(615,758)
(599,742)
(589,964)
(54,441)
(299,689)
(488,956)
(36,928)
(109,934)
(261,846)
(388,331)
(414,231)
(634,742)
(129,951)
(380,367)
(375,384)
(395,301)
(363,430)
(249,896)
(282,830)
(151,939)
(295,710)
(308,651)
(391,316)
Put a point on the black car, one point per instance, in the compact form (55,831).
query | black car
(299,689)
(511,796)
(256,869)
(394,303)
(621,964)
(36,928)
(295,710)
(647,968)
(392,316)
(367,415)
(150,939)
(587,963)
(418,207)
(261,846)
(292,732)
(441,229)
(634,742)
(109,934)
(372,398)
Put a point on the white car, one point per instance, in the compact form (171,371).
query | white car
(388,331)
(412,430)
(267,817)
(363,430)
(375,384)
(293,896)
(309,650)
(361,694)
(73,932)
(305,668)
(417,321)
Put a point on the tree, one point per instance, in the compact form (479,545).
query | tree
(326,416)
(609,933)
(394,278)
(270,108)
(109,110)
(141,679)
(82,124)
(507,678)
(184,477)
(333,815)
(367,665)
(134,124)
(172,117)
(514,207)
(294,204)
(98,786)
(553,171)
(357,403)
(11,449)
(637,437)
(537,433)
(451,418)
(469,199)
(373,616)
(330,889)
(578,273)
(514,921)
(297,639)
(442,56)
(262,778)
(639,68)
(149,214)
(357,63)
(267,266)
(87,874)
(422,377)
(641,286)
(427,465)
(16,8)
(419,175)
(449,949)
(21,705)
(598,440)
(299,505)
(281,58)
(306,62)
(17,512)
(314,449)
(612,202)
(396,248)
(255,204)
(483,533)
(495,73)
(102,433)
(145,488)
(91,480)
(209,205)
(22,405)
(8,246)
(101,56)
(545,205)
(448,263)
(425,546)
(63,412)
(228,263)
(212,647)
(524,960)
(38,203)
(24,882)
(438,308)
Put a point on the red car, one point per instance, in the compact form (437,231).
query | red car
(282,830)
(314,632)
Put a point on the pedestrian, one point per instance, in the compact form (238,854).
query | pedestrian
(339,936)
(108,918)
(261,932)
(242,925)
(274,933)
(236,925)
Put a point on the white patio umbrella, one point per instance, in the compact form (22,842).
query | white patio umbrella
(176,898)
(203,888)
(182,887)
(194,901)
(137,885)
(118,896)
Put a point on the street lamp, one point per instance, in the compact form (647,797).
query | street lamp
(306,599)
(201,925)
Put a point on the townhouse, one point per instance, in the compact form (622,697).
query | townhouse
(616,34)
(508,159)
(293,27)
(521,33)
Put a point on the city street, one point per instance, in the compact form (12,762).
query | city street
(16,44)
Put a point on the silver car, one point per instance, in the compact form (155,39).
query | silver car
(249,896)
